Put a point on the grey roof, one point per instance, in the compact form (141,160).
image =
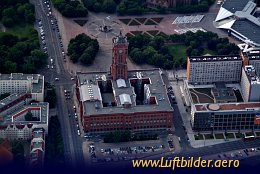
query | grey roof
(44,106)
(235,5)
(247,29)
(157,88)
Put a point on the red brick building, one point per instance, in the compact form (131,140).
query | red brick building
(121,99)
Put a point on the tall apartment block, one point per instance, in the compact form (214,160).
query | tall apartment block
(211,69)
(250,84)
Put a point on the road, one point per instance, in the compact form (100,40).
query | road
(72,142)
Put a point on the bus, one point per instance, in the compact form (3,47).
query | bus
(248,138)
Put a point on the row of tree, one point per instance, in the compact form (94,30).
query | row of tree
(50,96)
(70,8)
(54,143)
(21,54)
(16,12)
(154,51)
(83,48)
(108,6)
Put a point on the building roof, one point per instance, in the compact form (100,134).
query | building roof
(156,86)
(214,58)
(120,83)
(235,5)
(248,29)
(251,74)
(89,92)
(227,107)
(15,117)
(125,99)
(222,93)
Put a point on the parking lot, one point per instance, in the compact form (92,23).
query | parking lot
(108,152)
(188,19)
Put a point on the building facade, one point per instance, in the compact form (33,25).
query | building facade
(250,84)
(226,117)
(211,69)
(18,83)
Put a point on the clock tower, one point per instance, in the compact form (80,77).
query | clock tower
(118,68)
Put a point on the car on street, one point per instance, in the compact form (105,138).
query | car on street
(56,79)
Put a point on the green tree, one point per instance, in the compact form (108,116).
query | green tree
(28,116)
(109,6)
(10,67)
(8,22)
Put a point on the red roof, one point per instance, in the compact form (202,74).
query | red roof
(20,126)
(2,127)
(29,125)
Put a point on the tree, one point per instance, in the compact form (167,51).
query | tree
(10,67)
(51,97)
(28,116)
(86,58)
(109,6)
(8,22)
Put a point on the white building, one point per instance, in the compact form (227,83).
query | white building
(211,69)
(23,83)
(250,84)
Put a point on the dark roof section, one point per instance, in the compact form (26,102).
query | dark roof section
(248,29)
(235,5)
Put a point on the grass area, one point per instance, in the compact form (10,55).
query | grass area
(211,52)
(204,91)
(153,32)
(150,22)
(257,134)
(178,51)
(81,22)
(136,32)
(21,30)
(230,135)
(219,136)
(158,20)
(125,21)
(133,23)
(208,136)
(198,137)
(141,20)
(194,98)
(239,135)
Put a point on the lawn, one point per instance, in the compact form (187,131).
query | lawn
(230,135)
(133,23)
(198,137)
(239,135)
(146,34)
(178,51)
(219,136)
(150,22)
(81,22)
(153,32)
(129,34)
(207,51)
(125,21)
(158,20)
(194,98)
(136,32)
(208,136)
(141,20)
(22,30)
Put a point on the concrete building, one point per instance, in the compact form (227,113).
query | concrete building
(168,3)
(225,117)
(13,126)
(250,84)
(211,69)
(237,17)
(37,148)
(122,99)
(19,83)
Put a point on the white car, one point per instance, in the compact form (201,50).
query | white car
(56,79)
(78,133)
